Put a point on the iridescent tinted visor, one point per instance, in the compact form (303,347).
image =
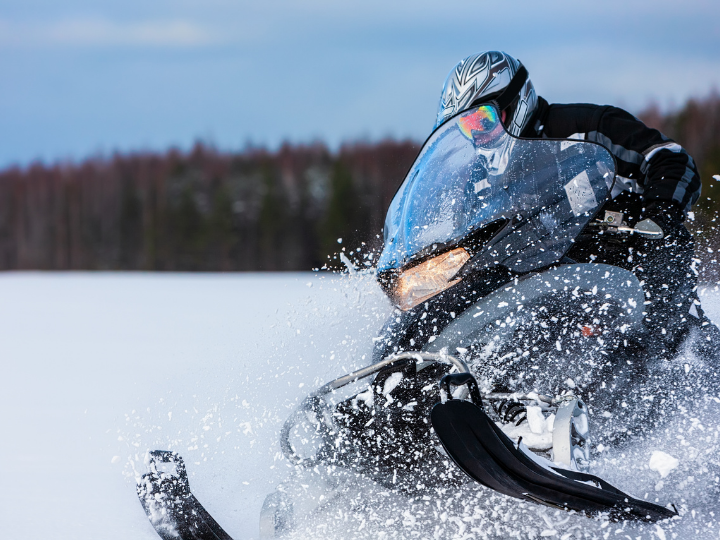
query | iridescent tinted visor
(481,124)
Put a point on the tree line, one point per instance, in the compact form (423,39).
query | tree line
(201,210)
(255,209)
(696,126)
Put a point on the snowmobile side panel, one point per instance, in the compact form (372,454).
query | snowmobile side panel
(468,326)
(482,450)
(172,509)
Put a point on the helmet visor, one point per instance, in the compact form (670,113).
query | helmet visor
(481,125)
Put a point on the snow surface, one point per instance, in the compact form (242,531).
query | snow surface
(98,368)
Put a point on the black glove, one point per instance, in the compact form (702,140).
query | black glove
(667,214)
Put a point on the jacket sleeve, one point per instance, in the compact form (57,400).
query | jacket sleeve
(648,162)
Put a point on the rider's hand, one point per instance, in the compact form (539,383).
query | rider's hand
(667,214)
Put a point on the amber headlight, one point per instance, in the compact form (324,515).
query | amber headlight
(429,278)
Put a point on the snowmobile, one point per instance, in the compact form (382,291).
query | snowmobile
(501,353)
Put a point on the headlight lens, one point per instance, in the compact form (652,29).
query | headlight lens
(429,278)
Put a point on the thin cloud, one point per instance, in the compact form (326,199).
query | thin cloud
(102,32)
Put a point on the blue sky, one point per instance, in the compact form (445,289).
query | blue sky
(80,77)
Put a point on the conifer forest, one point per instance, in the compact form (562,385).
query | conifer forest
(293,208)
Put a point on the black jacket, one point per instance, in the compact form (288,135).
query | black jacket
(650,166)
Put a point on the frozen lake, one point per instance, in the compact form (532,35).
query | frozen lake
(99,368)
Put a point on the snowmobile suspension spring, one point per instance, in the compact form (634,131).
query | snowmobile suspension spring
(511,411)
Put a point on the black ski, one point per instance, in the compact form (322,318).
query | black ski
(486,454)
(171,507)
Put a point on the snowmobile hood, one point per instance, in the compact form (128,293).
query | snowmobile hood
(471,173)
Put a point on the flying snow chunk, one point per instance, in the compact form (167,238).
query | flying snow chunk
(536,419)
(391,382)
(716,177)
(662,463)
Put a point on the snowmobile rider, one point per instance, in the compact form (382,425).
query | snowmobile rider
(656,179)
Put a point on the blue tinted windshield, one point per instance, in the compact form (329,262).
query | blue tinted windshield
(471,172)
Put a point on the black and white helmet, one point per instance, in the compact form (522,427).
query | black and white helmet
(490,76)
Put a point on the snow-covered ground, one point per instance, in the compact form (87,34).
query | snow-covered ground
(98,368)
